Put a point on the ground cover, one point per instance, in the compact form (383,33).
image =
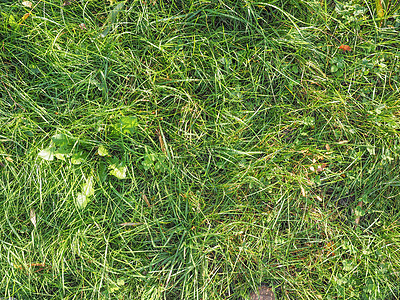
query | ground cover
(197,149)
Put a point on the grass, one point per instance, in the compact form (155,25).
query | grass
(254,150)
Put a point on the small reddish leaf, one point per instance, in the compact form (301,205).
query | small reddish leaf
(321,167)
(146,200)
(345,48)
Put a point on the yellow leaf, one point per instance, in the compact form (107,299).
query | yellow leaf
(25,16)
(379,9)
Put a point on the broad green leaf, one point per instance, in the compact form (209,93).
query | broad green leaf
(155,160)
(47,154)
(12,22)
(159,165)
(78,158)
(112,17)
(128,124)
(120,282)
(347,265)
(60,156)
(148,161)
(102,151)
(81,200)
(119,172)
(106,31)
(95,82)
(62,153)
(102,171)
(309,121)
(113,289)
(60,140)
(83,197)
(371,149)
(359,211)
(88,187)
(34,69)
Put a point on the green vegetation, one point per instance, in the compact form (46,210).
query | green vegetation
(196,149)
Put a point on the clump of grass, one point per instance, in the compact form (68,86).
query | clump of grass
(199,149)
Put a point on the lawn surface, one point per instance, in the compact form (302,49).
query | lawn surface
(197,149)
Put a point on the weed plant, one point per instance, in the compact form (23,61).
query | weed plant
(197,149)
